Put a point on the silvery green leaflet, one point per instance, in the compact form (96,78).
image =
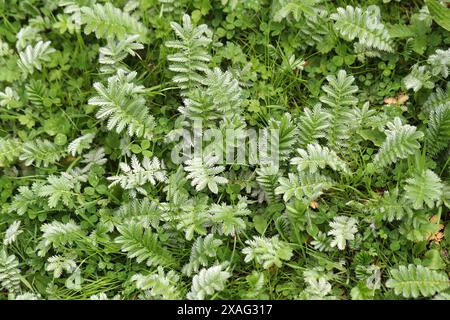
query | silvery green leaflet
(226,149)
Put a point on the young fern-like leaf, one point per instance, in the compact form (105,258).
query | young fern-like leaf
(190,60)
(116,51)
(267,177)
(224,90)
(203,172)
(228,219)
(318,289)
(304,186)
(12,233)
(27,35)
(61,188)
(134,177)
(439,98)
(9,272)
(142,211)
(194,217)
(313,19)
(317,157)
(439,12)
(58,234)
(401,142)
(159,285)
(309,14)
(423,188)
(391,206)
(440,62)
(9,98)
(437,134)
(24,199)
(122,102)
(413,281)
(36,92)
(313,125)
(9,151)
(419,77)
(318,285)
(95,156)
(40,152)
(339,97)
(32,58)
(297,9)
(342,229)
(353,23)
(287,134)
(202,251)
(108,21)
(267,252)
(220,96)
(175,187)
(143,245)
(58,264)
(322,242)
(80,143)
(199,106)
(207,282)
(339,90)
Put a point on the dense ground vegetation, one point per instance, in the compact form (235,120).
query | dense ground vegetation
(95,94)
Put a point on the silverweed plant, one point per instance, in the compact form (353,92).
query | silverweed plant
(206,149)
